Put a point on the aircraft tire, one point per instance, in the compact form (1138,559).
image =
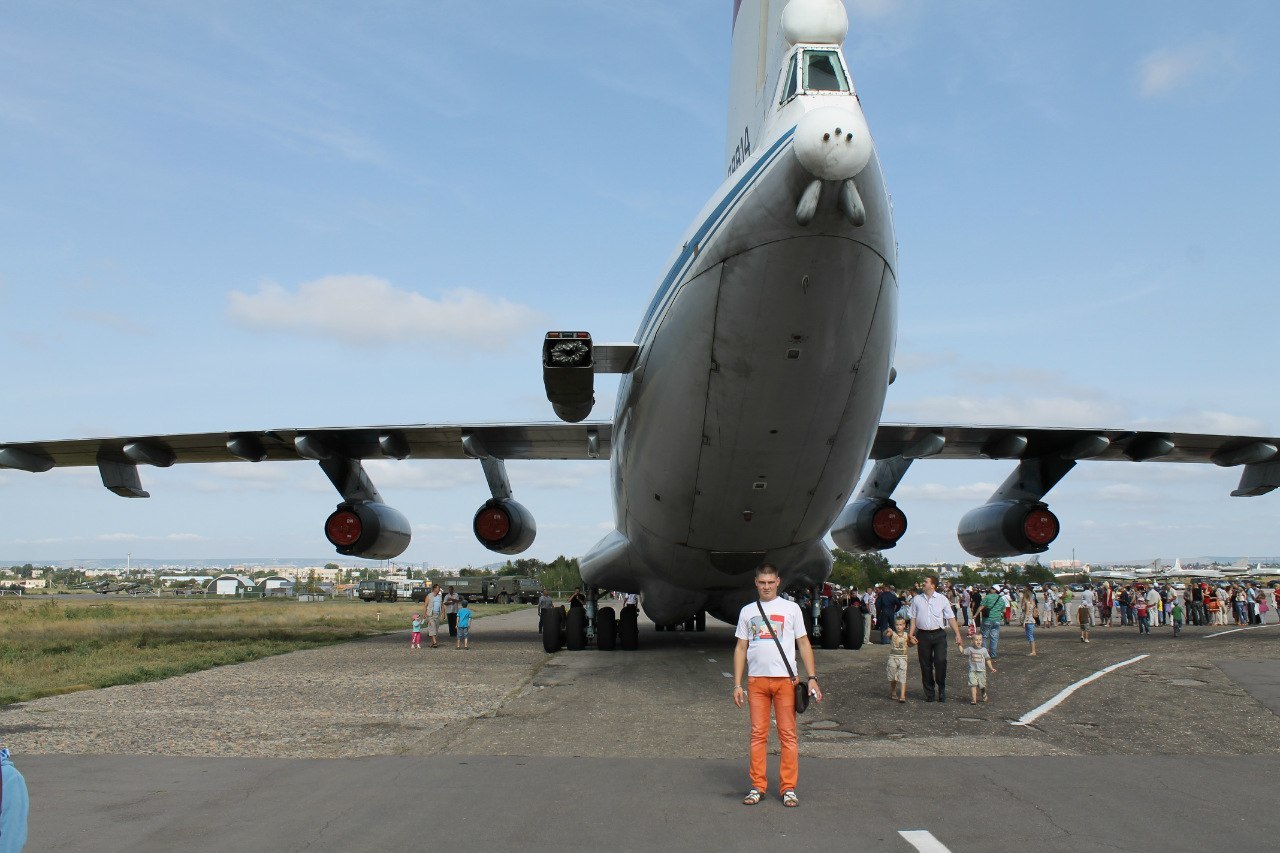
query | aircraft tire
(551,634)
(831,624)
(606,630)
(691,624)
(700,621)
(575,629)
(854,625)
(629,629)
(807,613)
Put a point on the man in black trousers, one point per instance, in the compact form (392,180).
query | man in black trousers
(931,613)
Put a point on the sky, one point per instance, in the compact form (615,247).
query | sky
(238,215)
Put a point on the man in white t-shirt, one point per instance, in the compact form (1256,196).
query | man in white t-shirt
(770,686)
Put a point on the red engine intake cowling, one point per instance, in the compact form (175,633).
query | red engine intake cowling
(370,530)
(505,526)
(869,524)
(1008,528)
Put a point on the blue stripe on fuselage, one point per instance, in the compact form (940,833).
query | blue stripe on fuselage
(717,216)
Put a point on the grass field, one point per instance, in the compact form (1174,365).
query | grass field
(60,645)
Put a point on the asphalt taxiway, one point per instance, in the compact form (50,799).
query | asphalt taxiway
(645,750)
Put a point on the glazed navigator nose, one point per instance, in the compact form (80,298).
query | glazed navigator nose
(833,144)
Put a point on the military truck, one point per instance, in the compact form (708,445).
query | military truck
(530,590)
(489,590)
(377,591)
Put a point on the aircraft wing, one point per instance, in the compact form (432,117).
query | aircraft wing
(1259,455)
(420,441)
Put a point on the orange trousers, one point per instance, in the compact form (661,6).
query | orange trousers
(763,693)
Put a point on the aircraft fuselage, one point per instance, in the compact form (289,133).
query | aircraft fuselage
(764,362)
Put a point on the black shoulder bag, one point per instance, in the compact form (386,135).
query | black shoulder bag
(801,687)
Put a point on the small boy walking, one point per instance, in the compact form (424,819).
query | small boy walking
(896,665)
(415,639)
(464,626)
(979,662)
(1177,617)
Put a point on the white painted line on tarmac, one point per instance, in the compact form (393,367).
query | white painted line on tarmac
(1033,715)
(923,840)
(1233,630)
(727,674)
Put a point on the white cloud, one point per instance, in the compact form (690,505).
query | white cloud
(431,475)
(118,537)
(185,537)
(1123,493)
(1214,423)
(1172,70)
(1021,411)
(972,493)
(239,477)
(367,309)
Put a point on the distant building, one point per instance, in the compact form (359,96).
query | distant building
(229,585)
(276,585)
(32,583)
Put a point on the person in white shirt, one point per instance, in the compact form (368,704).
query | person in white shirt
(931,613)
(1084,613)
(770,630)
(1046,607)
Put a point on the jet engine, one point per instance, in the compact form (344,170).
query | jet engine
(869,524)
(365,529)
(1008,528)
(505,526)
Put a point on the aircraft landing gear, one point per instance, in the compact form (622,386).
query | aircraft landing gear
(575,629)
(553,630)
(629,628)
(606,630)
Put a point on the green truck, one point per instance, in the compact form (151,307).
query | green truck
(377,591)
(489,590)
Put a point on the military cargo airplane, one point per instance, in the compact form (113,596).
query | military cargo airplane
(751,396)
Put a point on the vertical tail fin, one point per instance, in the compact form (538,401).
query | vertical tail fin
(757,53)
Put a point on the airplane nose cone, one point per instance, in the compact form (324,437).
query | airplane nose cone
(833,144)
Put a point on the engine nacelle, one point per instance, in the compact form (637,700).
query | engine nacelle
(370,530)
(1007,529)
(568,374)
(505,526)
(869,524)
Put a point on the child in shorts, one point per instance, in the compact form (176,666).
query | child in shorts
(464,626)
(896,666)
(415,639)
(979,661)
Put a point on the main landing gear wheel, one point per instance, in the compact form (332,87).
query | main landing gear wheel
(854,627)
(700,621)
(690,623)
(606,630)
(552,625)
(575,629)
(629,629)
(831,624)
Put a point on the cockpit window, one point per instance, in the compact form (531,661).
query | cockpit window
(790,92)
(823,72)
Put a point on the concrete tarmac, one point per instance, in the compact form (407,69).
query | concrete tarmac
(1072,804)
(505,746)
